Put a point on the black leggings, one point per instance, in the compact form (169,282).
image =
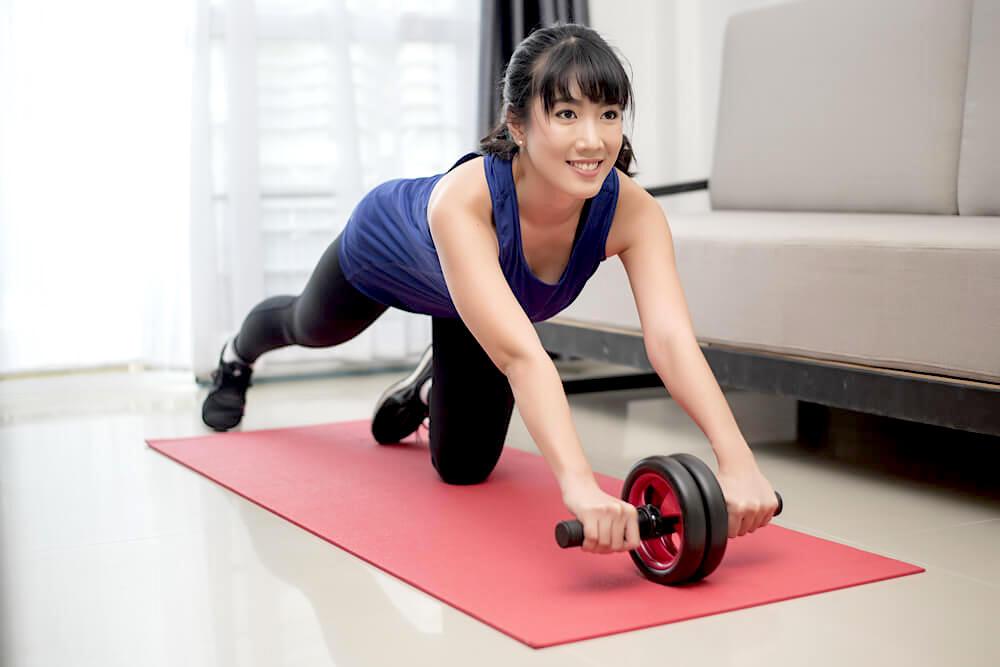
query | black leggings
(471,402)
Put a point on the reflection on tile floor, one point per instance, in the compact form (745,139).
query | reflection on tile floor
(110,554)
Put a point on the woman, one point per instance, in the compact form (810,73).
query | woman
(503,239)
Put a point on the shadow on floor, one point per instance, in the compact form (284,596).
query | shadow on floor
(896,450)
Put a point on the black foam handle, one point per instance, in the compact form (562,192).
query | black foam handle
(569,533)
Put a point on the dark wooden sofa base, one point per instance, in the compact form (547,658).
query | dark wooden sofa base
(931,399)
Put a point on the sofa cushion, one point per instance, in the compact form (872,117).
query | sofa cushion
(978,182)
(895,291)
(843,105)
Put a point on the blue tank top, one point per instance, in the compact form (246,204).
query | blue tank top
(387,253)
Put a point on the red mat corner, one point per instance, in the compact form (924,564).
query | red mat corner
(332,479)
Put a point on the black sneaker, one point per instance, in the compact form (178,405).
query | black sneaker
(223,407)
(399,410)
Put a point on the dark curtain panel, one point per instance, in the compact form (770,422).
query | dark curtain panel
(504,24)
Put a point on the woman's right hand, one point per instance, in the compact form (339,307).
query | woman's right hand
(609,524)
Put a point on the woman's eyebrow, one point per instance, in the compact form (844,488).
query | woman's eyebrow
(579,102)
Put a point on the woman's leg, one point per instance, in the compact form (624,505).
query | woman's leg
(329,311)
(470,406)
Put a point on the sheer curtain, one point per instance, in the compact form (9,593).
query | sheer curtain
(299,107)
(93,184)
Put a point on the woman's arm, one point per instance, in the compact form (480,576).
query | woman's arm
(641,238)
(461,225)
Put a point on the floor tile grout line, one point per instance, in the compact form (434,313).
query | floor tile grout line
(941,528)
(879,551)
(966,577)
(55,552)
(927,565)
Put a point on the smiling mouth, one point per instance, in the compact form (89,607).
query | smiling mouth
(589,165)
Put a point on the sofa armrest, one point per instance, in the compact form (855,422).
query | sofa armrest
(677,188)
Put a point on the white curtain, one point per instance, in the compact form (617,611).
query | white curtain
(164,166)
(93,184)
(299,107)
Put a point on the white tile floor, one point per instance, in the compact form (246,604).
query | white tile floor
(110,554)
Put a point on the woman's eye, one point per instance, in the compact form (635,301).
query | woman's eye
(611,115)
(565,113)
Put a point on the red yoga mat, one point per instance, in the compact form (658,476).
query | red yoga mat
(489,549)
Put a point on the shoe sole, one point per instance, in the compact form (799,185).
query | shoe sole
(405,382)
(216,411)
(387,400)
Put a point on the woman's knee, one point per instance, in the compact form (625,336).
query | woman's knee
(315,334)
(463,475)
(325,323)
(312,328)
(464,470)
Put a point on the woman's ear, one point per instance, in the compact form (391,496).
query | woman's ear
(515,129)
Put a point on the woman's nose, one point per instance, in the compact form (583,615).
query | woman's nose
(588,136)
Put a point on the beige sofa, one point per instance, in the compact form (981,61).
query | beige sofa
(851,256)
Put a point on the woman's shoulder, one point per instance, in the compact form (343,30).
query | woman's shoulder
(465,187)
(633,199)
(636,211)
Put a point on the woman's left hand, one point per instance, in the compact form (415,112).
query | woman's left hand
(750,498)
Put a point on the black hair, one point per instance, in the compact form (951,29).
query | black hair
(545,65)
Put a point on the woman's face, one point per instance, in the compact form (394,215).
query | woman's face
(575,145)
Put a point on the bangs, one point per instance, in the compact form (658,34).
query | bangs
(598,73)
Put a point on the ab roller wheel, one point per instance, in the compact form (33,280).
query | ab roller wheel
(716,515)
(663,486)
(683,520)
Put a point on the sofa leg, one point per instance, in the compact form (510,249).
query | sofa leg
(813,425)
